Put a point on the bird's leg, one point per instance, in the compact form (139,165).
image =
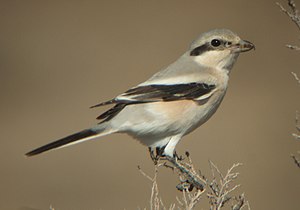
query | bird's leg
(158,154)
(176,156)
(160,151)
(154,155)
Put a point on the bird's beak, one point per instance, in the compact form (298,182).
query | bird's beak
(244,46)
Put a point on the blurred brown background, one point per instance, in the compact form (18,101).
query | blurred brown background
(57,58)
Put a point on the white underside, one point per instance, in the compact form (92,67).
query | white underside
(162,124)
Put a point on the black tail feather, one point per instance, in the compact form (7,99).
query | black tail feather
(62,142)
(104,103)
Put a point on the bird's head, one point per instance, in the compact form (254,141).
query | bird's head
(218,48)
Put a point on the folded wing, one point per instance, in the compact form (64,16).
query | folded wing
(155,93)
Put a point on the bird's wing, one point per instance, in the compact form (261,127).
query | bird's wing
(164,92)
(155,93)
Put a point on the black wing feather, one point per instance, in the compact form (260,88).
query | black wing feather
(155,93)
(109,114)
(187,91)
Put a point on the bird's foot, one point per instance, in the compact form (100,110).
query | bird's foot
(157,155)
(178,157)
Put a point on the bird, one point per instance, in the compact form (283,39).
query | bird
(173,102)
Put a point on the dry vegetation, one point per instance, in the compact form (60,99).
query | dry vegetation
(294,16)
(217,191)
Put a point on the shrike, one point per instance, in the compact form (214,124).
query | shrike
(174,101)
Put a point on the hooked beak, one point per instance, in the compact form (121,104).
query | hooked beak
(244,46)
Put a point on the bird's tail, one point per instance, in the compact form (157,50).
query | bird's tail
(75,138)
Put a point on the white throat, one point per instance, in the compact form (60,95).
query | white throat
(222,60)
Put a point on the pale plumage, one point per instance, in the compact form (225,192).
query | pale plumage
(174,101)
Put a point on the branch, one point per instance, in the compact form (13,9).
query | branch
(296,160)
(192,178)
(221,188)
(193,185)
(155,200)
(297,135)
(293,14)
(296,77)
(292,47)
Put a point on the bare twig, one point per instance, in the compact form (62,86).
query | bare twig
(296,159)
(190,199)
(155,200)
(292,47)
(297,135)
(194,186)
(293,14)
(241,203)
(189,173)
(296,77)
(220,188)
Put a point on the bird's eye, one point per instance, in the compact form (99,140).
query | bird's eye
(215,42)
